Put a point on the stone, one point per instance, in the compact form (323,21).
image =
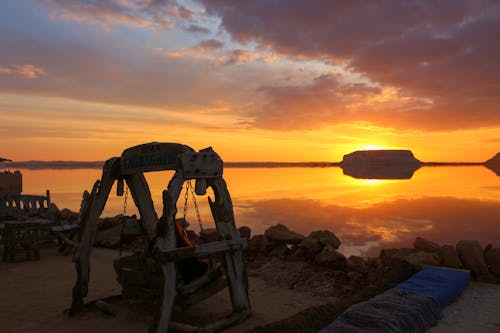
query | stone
(297,254)
(356,263)
(421,244)
(279,251)
(260,244)
(209,235)
(245,232)
(68,215)
(311,244)
(388,256)
(449,257)
(280,233)
(493,260)
(423,259)
(330,257)
(328,238)
(472,257)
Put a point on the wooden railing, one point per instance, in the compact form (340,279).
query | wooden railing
(13,206)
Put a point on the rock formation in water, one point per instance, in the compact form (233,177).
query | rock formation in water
(380,164)
(494,164)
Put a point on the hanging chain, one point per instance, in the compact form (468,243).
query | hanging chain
(125,201)
(186,196)
(189,188)
(196,206)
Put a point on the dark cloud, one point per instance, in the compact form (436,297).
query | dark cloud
(444,55)
(194,28)
(210,45)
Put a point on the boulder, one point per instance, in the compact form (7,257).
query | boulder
(449,257)
(493,260)
(280,233)
(245,232)
(311,244)
(297,254)
(389,256)
(260,244)
(421,244)
(68,215)
(422,259)
(209,235)
(356,263)
(279,251)
(472,257)
(330,257)
(328,238)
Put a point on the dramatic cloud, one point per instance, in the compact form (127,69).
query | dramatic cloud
(156,14)
(443,55)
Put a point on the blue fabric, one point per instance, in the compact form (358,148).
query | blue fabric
(442,284)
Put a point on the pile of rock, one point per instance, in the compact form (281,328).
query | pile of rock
(467,254)
(319,247)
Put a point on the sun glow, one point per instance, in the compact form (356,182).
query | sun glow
(371,147)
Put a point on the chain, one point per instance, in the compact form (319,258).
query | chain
(189,188)
(125,201)
(186,195)
(196,206)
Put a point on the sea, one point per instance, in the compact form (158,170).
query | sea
(443,204)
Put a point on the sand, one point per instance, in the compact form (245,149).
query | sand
(34,294)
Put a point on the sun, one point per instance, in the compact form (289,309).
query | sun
(371,147)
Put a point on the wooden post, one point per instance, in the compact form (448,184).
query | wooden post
(166,241)
(222,211)
(90,212)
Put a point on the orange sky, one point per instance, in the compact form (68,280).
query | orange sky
(257,81)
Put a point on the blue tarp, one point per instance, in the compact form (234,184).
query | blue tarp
(412,306)
(442,284)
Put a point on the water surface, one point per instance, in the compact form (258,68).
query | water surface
(444,204)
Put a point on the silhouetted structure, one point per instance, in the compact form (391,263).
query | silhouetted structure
(380,172)
(494,164)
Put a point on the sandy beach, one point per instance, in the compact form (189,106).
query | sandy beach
(34,295)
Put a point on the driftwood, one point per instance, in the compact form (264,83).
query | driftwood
(206,168)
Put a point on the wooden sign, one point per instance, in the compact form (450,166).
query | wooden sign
(203,164)
(154,156)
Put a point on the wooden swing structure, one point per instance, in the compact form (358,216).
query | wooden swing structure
(205,167)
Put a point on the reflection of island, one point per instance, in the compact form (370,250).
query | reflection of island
(494,164)
(380,164)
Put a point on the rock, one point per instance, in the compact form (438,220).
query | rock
(423,259)
(472,257)
(493,260)
(356,263)
(112,242)
(330,257)
(260,244)
(280,233)
(421,244)
(317,240)
(68,215)
(297,254)
(209,235)
(328,238)
(449,257)
(279,251)
(388,256)
(245,232)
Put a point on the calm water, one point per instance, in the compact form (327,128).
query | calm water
(444,204)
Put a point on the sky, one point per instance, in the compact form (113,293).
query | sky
(263,80)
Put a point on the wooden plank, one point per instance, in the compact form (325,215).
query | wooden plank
(202,250)
(154,156)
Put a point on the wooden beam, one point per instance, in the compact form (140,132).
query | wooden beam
(202,250)
(142,198)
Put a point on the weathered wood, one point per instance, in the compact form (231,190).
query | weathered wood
(92,207)
(203,164)
(222,211)
(165,242)
(202,250)
(154,156)
(142,198)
